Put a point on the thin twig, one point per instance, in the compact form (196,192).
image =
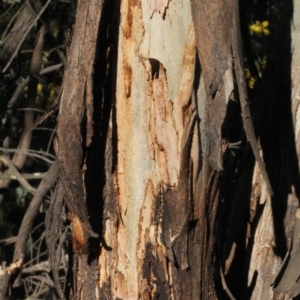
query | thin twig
(28,176)
(40,267)
(11,21)
(7,11)
(33,153)
(51,139)
(14,171)
(44,128)
(8,241)
(32,109)
(32,211)
(24,36)
(224,284)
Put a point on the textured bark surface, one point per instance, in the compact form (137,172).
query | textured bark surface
(140,150)
(75,127)
(214,36)
(153,109)
(74,139)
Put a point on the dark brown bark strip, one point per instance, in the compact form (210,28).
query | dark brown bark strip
(55,235)
(209,226)
(214,36)
(182,213)
(74,132)
(213,31)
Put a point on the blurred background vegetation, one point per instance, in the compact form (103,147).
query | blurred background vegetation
(58,19)
(259,21)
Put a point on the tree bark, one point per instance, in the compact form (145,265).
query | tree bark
(159,203)
(258,252)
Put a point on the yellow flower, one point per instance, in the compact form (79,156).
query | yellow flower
(252,83)
(39,88)
(250,79)
(52,93)
(248,74)
(264,61)
(260,29)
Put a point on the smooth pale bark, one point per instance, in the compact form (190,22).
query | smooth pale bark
(156,65)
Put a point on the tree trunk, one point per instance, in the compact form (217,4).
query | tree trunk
(160,204)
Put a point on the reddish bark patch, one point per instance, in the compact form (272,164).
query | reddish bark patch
(128,79)
(127,30)
(78,235)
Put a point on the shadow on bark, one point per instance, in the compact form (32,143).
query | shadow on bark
(102,154)
(271,110)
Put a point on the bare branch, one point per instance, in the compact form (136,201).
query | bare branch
(19,32)
(33,153)
(8,241)
(33,176)
(41,267)
(33,209)
(11,21)
(14,172)
(8,10)
(224,284)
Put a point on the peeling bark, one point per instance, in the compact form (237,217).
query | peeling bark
(75,128)
(141,154)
